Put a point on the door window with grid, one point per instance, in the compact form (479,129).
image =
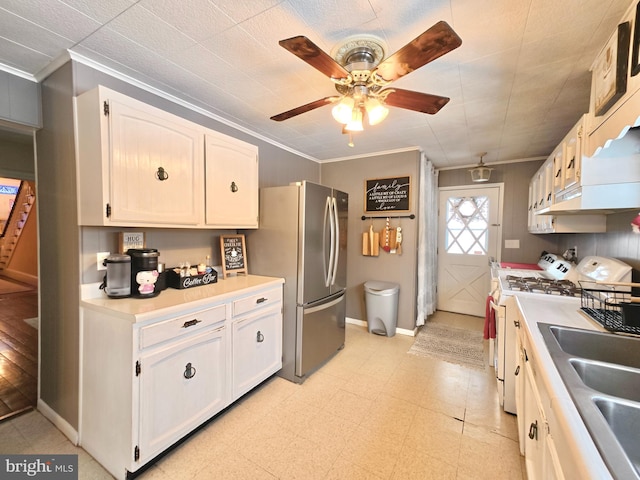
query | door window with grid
(467,224)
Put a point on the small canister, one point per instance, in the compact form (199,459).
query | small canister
(144,272)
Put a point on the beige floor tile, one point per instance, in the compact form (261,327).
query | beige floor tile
(373,412)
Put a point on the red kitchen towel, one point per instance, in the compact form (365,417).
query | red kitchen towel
(489,320)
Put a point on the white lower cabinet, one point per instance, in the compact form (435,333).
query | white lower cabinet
(181,385)
(257,349)
(533,410)
(147,384)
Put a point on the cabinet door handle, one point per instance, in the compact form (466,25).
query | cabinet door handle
(189,371)
(233,187)
(517,372)
(162,174)
(516,323)
(191,323)
(533,431)
(259,337)
(261,300)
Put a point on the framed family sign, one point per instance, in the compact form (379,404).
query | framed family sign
(610,70)
(387,194)
(233,252)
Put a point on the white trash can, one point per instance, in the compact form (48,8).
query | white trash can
(381,300)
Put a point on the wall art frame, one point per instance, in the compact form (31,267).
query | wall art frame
(610,70)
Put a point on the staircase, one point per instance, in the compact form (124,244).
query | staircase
(22,206)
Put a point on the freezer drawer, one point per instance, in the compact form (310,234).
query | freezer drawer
(321,332)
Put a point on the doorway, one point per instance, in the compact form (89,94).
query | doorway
(469,226)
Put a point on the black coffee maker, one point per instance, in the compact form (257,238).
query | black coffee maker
(144,272)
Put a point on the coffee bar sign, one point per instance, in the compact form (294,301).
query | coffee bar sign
(388,194)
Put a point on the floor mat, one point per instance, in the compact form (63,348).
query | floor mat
(453,345)
(7,286)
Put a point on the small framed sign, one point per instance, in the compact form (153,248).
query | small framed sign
(233,252)
(385,194)
(127,240)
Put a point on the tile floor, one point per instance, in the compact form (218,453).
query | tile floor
(373,412)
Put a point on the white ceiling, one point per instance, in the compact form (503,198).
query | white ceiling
(517,84)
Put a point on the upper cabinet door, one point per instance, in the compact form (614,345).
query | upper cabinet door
(156,167)
(137,165)
(231,187)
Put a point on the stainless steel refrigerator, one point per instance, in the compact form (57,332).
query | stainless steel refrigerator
(302,237)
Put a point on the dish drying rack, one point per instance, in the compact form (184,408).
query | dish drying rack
(611,305)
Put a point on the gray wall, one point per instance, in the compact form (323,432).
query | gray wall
(618,242)
(17,156)
(19,101)
(349,176)
(59,247)
(516,177)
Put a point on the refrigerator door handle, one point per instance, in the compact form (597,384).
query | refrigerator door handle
(336,239)
(328,216)
(323,306)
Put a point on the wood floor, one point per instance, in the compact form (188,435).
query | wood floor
(18,353)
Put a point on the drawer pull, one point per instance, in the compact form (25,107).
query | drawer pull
(191,323)
(533,431)
(517,372)
(189,371)
(261,300)
(259,337)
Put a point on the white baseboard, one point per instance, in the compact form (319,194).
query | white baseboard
(401,331)
(59,422)
(21,277)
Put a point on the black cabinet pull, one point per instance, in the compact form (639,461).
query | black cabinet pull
(533,431)
(162,174)
(189,371)
(517,372)
(191,323)
(259,337)
(261,300)
(234,187)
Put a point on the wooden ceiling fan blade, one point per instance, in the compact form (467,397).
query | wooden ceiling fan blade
(425,48)
(308,51)
(416,101)
(304,108)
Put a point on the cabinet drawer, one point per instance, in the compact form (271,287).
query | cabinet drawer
(176,327)
(259,300)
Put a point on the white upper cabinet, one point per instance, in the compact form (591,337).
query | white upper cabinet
(138,165)
(231,182)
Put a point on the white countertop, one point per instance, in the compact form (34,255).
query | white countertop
(173,301)
(563,311)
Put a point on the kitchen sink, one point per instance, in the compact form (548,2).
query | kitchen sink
(601,371)
(624,421)
(600,346)
(615,380)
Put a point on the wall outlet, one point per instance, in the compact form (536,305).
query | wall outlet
(100,256)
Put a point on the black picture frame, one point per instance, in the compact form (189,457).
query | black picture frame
(387,194)
(635,55)
(610,70)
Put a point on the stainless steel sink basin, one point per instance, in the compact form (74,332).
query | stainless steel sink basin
(615,380)
(601,371)
(624,421)
(600,346)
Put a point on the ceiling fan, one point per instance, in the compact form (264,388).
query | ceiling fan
(362,78)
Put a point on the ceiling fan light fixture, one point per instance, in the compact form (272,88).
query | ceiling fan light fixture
(481,173)
(343,111)
(355,124)
(376,111)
